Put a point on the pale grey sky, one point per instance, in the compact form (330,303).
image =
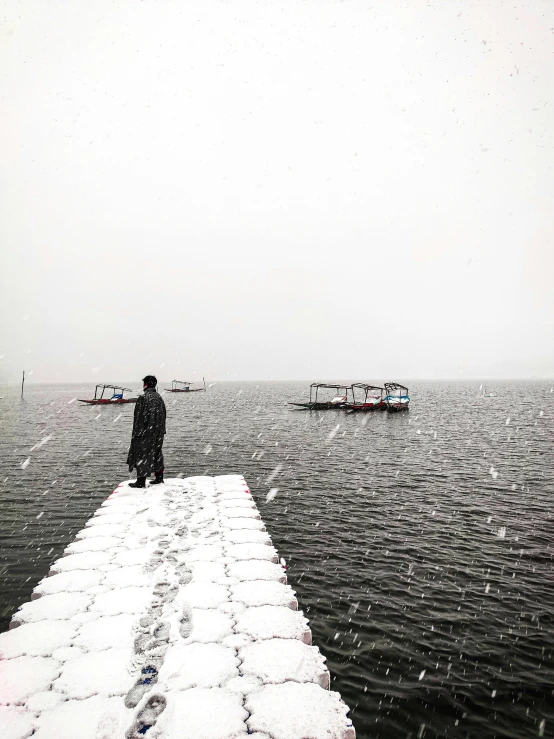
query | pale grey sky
(293,190)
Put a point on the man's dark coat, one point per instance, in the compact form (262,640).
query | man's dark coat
(145,452)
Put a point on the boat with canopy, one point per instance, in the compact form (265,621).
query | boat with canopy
(366,398)
(182,386)
(338,401)
(116,398)
(397,398)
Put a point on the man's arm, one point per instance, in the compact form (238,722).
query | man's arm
(164,415)
(137,418)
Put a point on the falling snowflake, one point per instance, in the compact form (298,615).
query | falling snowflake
(333,432)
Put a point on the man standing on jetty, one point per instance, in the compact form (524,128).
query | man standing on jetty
(145,452)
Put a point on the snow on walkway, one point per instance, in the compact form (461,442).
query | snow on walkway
(168,617)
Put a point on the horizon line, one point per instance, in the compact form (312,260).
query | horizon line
(17,383)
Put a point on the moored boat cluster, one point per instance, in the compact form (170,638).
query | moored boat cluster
(359,396)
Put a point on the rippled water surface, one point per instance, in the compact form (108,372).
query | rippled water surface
(420,544)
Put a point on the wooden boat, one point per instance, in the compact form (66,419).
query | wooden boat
(180,386)
(335,403)
(397,398)
(116,399)
(372,398)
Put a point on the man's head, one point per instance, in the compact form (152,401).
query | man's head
(149,381)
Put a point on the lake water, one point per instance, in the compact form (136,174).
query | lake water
(419,544)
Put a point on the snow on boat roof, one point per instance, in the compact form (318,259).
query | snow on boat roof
(390,387)
(331,386)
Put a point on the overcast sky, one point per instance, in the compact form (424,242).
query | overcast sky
(283,189)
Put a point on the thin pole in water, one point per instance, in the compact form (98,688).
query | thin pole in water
(22,383)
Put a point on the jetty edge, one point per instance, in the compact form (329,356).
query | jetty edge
(169,616)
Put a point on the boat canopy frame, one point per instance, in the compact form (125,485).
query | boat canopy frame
(366,388)
(110,387)
(331,386)
(390,387)
(184,386)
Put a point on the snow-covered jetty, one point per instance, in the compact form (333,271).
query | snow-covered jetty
(168,617)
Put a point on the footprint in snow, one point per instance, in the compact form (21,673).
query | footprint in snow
(185,625)
(148,677)
(147,717)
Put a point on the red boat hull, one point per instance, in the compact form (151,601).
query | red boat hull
(364,407)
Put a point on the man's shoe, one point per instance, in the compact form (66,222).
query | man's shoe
(140,483)
(158,481)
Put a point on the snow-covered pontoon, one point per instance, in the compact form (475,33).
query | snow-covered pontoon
(169,616)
